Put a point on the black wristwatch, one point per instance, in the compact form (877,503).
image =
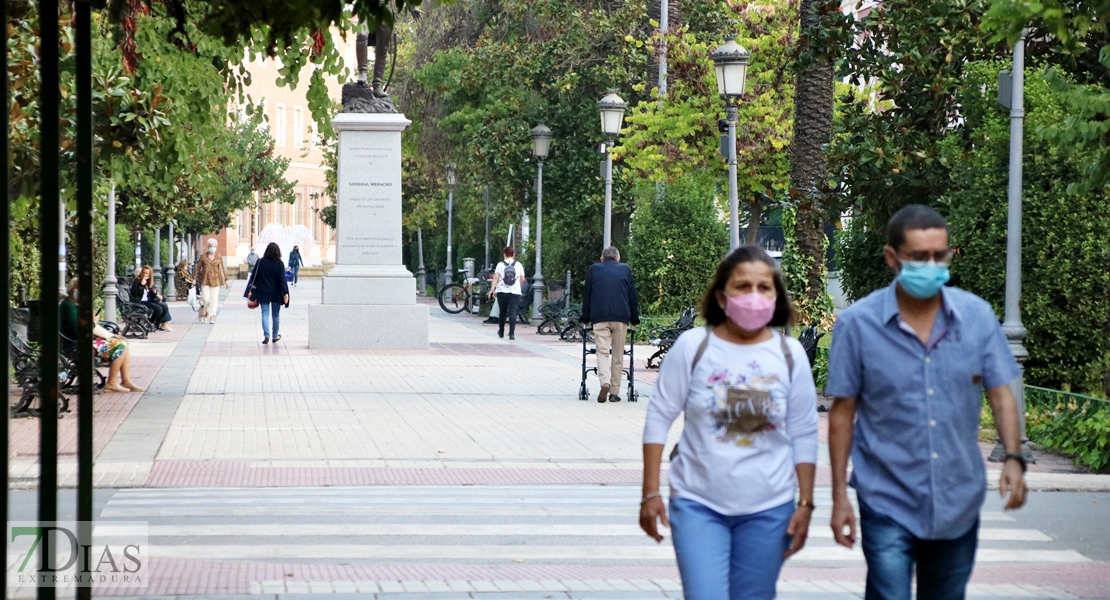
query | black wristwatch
(1017,457)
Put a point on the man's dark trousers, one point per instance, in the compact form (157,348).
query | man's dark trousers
(507,305)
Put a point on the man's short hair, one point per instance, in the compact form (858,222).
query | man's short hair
(508,252)
(611,253)
(910,217)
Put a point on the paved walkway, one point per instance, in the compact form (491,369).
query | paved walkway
(467,470)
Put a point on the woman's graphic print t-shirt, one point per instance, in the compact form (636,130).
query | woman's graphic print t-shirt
(747,421)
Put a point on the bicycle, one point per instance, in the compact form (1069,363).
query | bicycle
(454,298)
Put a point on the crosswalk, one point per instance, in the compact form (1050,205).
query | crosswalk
(475,539)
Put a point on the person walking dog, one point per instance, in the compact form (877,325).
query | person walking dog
(270,290)
(749,443)
(210,276)
(609,302)
(907,369)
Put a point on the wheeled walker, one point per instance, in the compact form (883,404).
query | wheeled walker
(589,347)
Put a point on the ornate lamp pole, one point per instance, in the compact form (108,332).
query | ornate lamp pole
(110,280)
(611,108)
(541,145)
(730,63)
(1011,324)
(421,285)
(448,271)
(171,268)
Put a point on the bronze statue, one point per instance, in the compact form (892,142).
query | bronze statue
(380,39)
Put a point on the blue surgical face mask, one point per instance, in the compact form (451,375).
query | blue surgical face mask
(923,280)
(211,249)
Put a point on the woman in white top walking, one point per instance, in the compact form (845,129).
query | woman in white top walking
(749,445)
(506,285)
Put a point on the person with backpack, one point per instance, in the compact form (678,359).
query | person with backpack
(506,286)
(749,444)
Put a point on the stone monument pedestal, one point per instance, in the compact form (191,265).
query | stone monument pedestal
(369,297)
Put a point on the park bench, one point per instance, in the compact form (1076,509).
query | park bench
(665,336)
(135,316)
(24,358)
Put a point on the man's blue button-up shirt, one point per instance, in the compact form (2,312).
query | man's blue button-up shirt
(915,451)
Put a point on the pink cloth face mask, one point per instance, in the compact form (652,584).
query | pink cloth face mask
(750,312)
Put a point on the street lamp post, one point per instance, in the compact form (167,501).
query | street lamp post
(730,63)
(541,145)
(1011,325)
(611,108)
(171,268)
(448,271)
(110,280)
(421,285)
(157,275)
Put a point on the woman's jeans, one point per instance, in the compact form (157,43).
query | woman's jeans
(295,270)
(267,307)
(943,566)
(159,312)
(728,558)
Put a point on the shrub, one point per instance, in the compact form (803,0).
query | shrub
(677,242)
(1076,425)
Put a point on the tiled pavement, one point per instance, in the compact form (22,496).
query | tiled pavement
(235,433)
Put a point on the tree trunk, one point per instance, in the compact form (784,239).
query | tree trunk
(813,119)
(755,212)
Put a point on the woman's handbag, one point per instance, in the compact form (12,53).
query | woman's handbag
(251,302)
(193,297)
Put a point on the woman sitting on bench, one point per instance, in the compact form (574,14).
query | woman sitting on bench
(108,346)
(144,292)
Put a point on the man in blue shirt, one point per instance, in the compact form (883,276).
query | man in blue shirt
(609,301)
(908,364)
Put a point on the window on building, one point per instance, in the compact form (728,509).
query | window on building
(298,127)
(279,125)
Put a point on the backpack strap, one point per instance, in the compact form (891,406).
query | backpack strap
(789,356)
(701,348)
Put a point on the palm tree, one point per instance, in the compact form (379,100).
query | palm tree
(813,120)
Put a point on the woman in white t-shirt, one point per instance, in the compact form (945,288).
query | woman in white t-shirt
(506,285)
(749,444)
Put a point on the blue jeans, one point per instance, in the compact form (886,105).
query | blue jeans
(267,307)
(943,566)
(728,558)
(295,270)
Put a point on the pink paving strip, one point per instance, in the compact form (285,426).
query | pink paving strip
(184,576)
(300,348)
(242,474)
(109,412)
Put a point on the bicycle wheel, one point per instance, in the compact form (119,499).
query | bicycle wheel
(454,299)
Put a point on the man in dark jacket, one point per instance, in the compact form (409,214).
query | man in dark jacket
(609,302)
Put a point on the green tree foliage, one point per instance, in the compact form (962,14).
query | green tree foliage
(160,127)
(499,68)
(1072,39)
(1065,255)
(909,58)
(677,241)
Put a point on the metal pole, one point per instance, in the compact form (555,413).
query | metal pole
(84,238)
(1012,326)
(664,26)
(158,260)
(49,219)
(110,289)
(448,271)
(485,196)
(733,201)
(608,238)
(5,279)
(421,285)
(138,251)
(171,268)
(566,294)
(537,281)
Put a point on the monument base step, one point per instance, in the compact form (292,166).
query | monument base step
(368,290)
(353,326)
